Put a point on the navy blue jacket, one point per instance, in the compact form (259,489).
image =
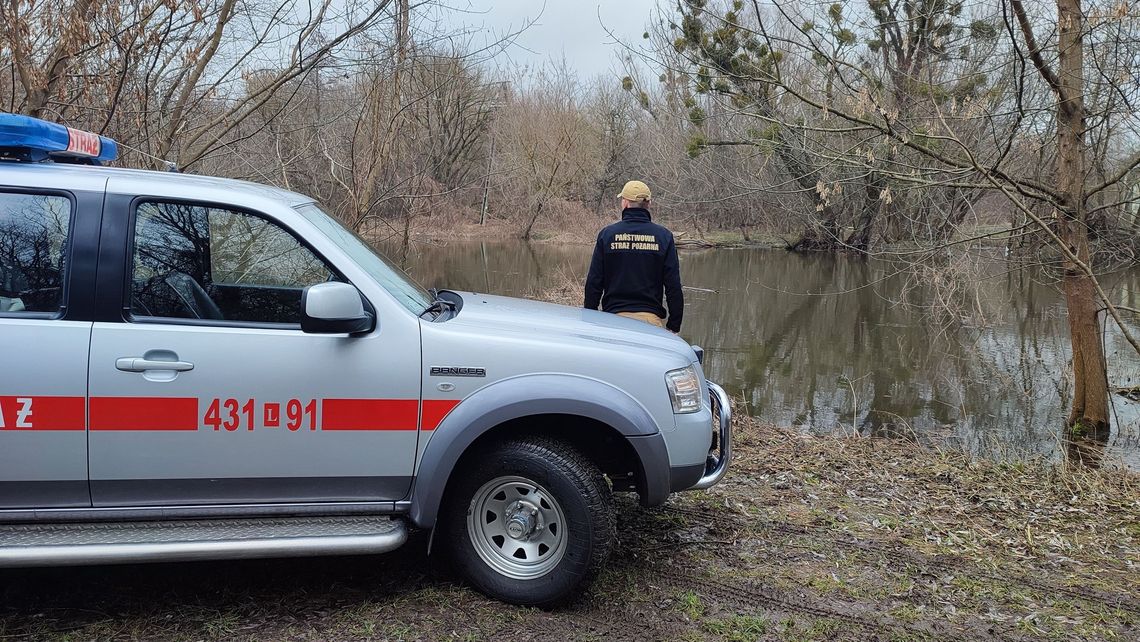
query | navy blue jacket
(635,260)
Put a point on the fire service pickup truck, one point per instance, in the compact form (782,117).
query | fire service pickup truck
(199,368)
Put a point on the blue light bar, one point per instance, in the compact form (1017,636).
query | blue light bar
(52,139)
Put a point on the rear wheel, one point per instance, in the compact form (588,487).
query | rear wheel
(529,521)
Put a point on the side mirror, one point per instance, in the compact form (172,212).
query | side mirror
(334,308)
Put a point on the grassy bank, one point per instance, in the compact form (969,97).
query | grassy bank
(807,539)
(577,228)
(580,227)
(901,542)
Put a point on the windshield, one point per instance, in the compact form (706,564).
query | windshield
(391,278)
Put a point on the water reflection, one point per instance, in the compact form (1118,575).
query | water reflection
(841,344)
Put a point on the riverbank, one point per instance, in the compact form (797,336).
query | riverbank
(576,230)
(808,538)
(582,229)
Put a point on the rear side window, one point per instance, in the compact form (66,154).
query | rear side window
(34,232)
(209,263)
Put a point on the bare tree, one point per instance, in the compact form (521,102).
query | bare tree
(168,78)
(551,145)
(922,98)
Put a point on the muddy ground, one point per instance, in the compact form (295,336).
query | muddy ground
(807,539)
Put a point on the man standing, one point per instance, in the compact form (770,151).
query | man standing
(635,260)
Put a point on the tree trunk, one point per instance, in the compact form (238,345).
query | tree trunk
(1089,415)
(533,220)
(874,206)
(822,236)
(402,33)
(860,238)
(956,208)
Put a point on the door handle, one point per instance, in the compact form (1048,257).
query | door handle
(141,364)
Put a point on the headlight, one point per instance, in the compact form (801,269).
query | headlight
(684,389)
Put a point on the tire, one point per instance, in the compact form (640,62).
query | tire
(529,522)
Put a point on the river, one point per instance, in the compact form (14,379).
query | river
(828,344)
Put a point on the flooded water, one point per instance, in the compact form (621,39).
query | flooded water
(827,344)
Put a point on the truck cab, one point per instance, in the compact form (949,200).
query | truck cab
(203,368)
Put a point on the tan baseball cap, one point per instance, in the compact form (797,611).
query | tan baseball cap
(635,191)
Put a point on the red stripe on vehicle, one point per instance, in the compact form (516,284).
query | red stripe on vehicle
(28,412)
(369,414)
(144,413)
(435,410)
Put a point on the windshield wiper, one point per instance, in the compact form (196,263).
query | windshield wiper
(438,304)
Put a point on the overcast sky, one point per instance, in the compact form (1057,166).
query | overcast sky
(575,29)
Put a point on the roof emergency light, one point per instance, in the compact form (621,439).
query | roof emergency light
(27,138)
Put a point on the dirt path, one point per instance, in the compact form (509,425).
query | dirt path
(808,539)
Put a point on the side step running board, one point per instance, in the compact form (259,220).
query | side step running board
(171,541)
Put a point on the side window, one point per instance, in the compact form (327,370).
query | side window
(200,262)
(33,252)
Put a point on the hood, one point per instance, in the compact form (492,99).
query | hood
(500,314)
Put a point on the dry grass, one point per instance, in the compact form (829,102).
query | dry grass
(1074,522)
(808,538)
(561,221)
(572,223)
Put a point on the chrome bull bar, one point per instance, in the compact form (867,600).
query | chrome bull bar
(720,455)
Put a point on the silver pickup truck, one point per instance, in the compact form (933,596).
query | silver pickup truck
(199,368)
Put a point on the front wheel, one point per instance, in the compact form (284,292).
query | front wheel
(529,521)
